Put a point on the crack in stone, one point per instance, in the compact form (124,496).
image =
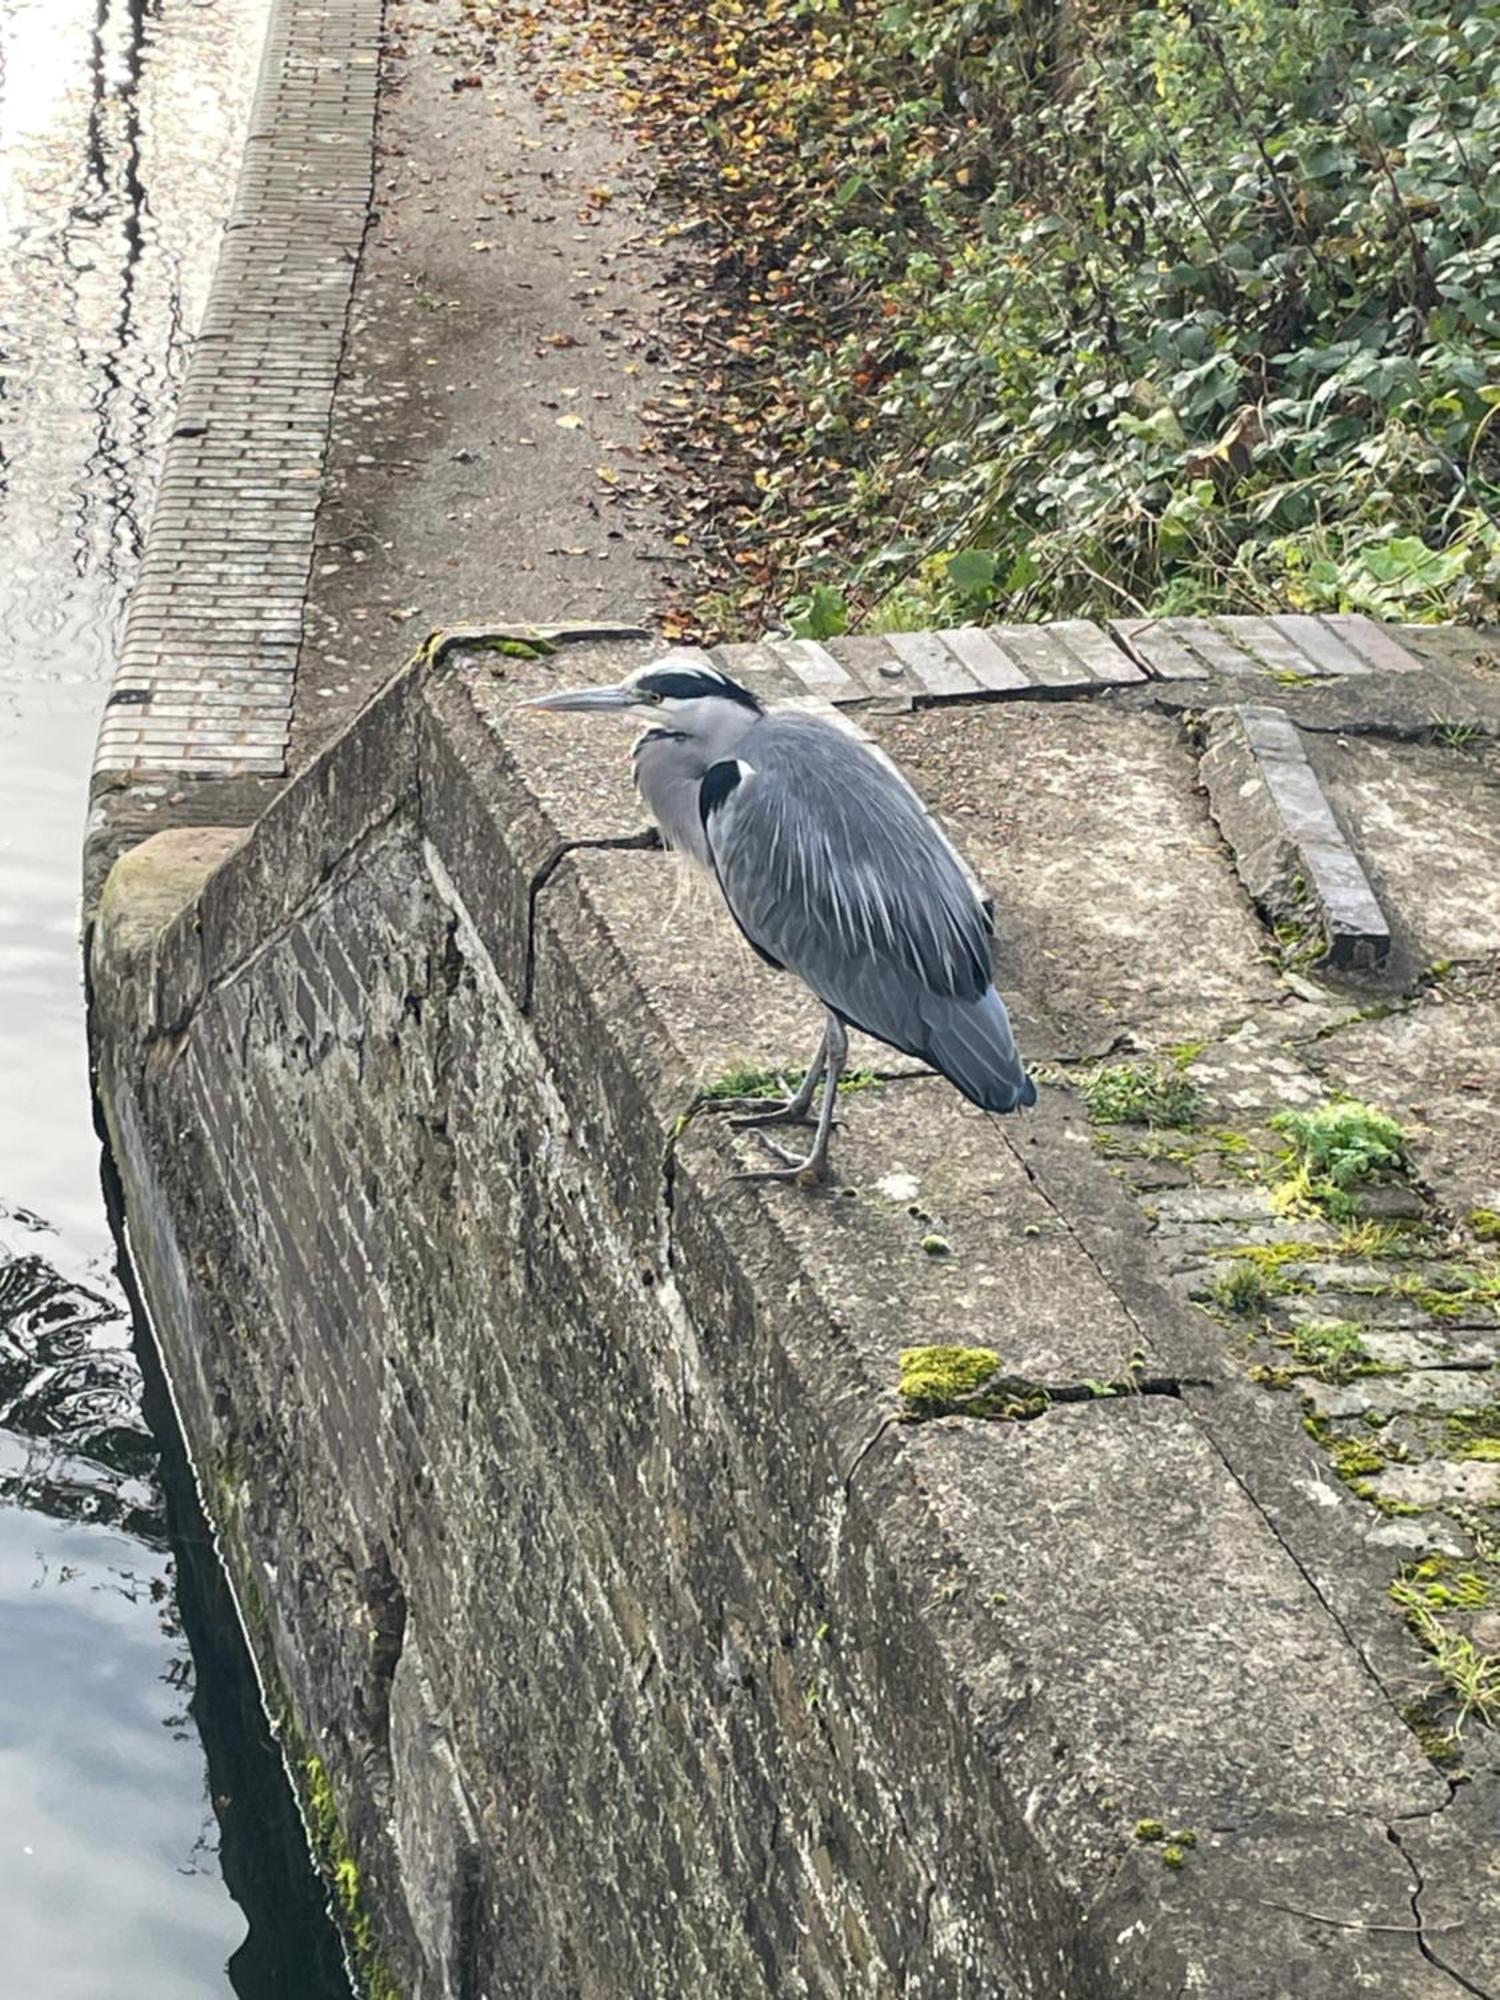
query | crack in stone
(645,840)
(1420,1929)
(1038,691)
(1035,1399)
(1373,729)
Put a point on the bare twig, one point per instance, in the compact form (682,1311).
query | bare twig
(1358,1923)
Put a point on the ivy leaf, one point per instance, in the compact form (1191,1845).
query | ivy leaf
(971,573)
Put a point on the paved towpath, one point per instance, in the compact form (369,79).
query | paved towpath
(417,395)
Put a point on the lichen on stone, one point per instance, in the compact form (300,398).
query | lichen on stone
(934,1379)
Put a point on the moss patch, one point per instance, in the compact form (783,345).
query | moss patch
(1453,1292)
(1332,1350)
(1245,1287)
(330,1845)
(1440,1583)
(939,1379)
(1155,1094)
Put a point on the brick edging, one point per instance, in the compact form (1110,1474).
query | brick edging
(204,681)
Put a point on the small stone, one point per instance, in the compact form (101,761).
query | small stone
(1474,1481)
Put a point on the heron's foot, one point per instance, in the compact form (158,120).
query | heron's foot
(774,1111)
(807,1172)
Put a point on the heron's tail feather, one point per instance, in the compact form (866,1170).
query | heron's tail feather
(971,1043)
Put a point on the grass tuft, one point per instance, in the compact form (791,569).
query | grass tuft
(1155,1094)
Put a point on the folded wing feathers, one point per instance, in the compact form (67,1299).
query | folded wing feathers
(840,859)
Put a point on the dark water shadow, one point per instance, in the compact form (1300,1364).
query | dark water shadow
(292,1949)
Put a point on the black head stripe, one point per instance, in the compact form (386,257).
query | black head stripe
(679,684)
(719,780)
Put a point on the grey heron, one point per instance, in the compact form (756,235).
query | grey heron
(833,869)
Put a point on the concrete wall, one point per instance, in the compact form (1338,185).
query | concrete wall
(624,1640)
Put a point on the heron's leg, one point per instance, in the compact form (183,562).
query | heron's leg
(815,1167)
(796,1108)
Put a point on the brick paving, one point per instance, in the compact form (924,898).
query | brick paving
(207,671)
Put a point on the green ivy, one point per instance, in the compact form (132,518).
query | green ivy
(1194,312)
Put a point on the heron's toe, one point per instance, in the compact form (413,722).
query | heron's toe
(807,1172)
(773,1113)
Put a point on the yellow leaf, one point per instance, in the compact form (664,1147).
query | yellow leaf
(571,422)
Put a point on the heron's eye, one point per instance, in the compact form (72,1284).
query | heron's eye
(653,695)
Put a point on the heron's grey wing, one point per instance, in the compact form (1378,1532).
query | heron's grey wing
(833,867)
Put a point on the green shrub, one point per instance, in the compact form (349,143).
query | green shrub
(1192,311)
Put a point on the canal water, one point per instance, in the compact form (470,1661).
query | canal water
(148,1847)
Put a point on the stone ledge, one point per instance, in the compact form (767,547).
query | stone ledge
(982,1641)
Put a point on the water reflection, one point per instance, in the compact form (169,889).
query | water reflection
(128,1792)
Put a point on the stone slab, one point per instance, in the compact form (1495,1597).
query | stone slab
(933,1224)
(1436,1066)
(1423,818)
(1291,646)
(1290,850)
(1113,908)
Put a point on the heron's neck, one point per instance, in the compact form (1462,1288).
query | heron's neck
(669,767)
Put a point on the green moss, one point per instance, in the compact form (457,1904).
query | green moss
(1356,1458)
(1150,1829)
(1474,1431)
(1485,1223)
(944,1374)
(1382,1239)
(964,1381)
(1272,1378)
(1185,1053)
(1470,1677)
(513,649)
(1244,1287)
(1269,1262)
(1301,942)
(1173,1855)
(1451,1293)
(331,1850)
(937,1246)
(1440,1581)
(323,1825)
(1139,1094)
(1229,1141)
(1332,1350)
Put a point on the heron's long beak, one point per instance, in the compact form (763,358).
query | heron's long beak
(599,700)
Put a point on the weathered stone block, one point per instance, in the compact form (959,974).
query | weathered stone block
(643,1643)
